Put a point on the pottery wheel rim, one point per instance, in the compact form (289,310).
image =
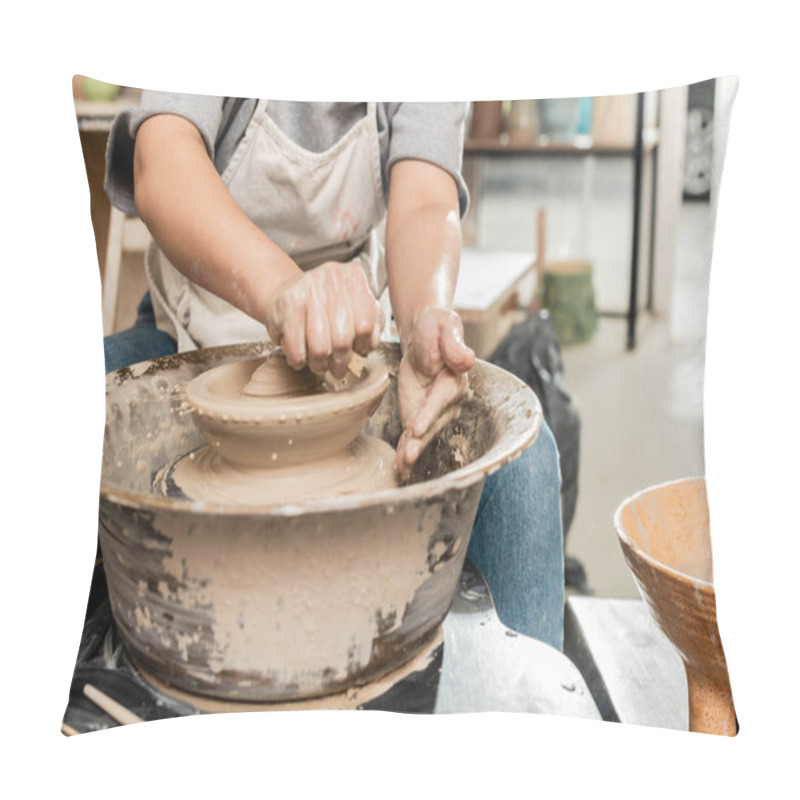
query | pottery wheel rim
(514,443)
(459,479)
(626,539)
(267,409)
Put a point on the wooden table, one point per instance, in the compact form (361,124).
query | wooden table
(490,289)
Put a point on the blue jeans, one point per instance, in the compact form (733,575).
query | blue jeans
(142,342)
(517,541)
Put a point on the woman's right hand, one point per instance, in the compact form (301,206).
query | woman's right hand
(324,315)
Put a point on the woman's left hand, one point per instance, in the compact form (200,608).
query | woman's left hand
(431,381)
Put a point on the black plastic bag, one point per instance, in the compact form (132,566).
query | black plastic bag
(531,351)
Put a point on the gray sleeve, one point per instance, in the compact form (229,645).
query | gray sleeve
(204,112)
(431,132)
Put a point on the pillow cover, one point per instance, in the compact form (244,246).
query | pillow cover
(593,217)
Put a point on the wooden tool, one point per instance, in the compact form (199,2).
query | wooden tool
(68,730)
(115,710)
(541,247)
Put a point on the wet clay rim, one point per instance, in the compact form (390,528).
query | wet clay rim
(659,565)
(371,386)
(519,435)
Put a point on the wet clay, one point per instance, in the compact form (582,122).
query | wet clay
(272,379)
(365,465)
(276,435)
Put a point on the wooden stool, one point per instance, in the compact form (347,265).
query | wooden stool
(568,294)
(565,289)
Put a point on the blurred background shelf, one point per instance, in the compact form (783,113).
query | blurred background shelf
(96,116)
(625,127)
(492,147)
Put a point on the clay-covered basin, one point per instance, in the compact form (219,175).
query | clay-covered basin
(282,602)
(665,536)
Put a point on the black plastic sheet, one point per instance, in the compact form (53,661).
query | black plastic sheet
(531,351)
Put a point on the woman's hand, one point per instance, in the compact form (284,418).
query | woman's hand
(431,381)
(324,315)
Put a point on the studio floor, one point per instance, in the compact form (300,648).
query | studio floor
(642,410)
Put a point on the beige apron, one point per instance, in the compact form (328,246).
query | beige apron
(315,206)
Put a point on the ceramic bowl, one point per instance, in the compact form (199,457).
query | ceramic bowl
(665,536)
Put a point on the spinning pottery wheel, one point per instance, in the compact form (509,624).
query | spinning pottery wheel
(288,599)
(476,665)
(664,533)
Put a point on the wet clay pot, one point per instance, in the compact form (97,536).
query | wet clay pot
(286,602)
(664,533)
(247,433)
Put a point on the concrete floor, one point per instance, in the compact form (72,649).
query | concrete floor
(641,411)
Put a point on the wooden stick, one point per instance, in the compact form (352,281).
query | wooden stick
(541,238)
(68,730)
(114,710)
(356,365)
(541,258)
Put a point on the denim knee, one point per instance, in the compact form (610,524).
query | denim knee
(517,541)
(544,454)
(142,342)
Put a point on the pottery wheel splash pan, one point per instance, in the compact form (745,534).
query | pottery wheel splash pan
(279,603)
